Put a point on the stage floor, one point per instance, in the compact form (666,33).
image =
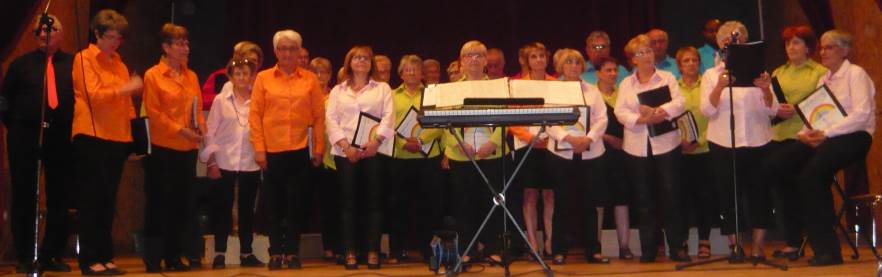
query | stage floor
(865,266)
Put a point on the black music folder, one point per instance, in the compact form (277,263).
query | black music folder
(141,136)
(746,61)
(655,98)
(779,94)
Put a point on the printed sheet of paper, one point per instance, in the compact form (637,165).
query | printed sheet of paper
(453,94)
(554,92)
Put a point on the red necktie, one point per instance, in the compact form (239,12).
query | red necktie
(51,94)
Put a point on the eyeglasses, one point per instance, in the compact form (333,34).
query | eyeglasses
(829,47)
(241,62)
(572,61)
(288,48)
(643,52)
(181,43)
(474,56)
(360,58)
(599,47)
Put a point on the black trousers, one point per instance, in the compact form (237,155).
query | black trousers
(656,180)
(169,177)
(98,170)
(701,195)
(286,179)
(328,199)
(616,183)
(755,200)
(471,201)
(783,186)
(814,168)
(361,191)
(222,219)
(22,144)
(575,186)
(414,204)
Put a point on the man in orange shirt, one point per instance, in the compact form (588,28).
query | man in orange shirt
(173,103)
(286,101)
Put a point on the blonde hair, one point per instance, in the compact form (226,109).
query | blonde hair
(473,45)
(595,35)
(727,28)
(171,32)
(636,42)
(410,59)
(454,67)
(561,55)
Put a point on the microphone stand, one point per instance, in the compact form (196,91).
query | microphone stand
(736,257)
(47,22)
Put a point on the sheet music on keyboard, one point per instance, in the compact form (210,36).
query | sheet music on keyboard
(554,92)
(453,94)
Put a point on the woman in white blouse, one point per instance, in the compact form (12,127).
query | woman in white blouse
(754,106)
(357,165)
(653,161)
(230,157)
(827,149)
(577,164)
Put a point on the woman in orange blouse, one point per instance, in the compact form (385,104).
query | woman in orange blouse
(173,103)
(101,132)
(285,101)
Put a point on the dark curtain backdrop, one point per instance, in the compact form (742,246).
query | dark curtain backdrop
(437,29)
(819,14)
(431,29)
(14,16)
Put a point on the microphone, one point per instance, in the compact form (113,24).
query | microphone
(733,39)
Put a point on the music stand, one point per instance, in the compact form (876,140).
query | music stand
(734,257)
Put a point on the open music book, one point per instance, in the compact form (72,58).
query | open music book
(555,93)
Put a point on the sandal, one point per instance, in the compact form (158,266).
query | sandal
(704,250)
(625,254)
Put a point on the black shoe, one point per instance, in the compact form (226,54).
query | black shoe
(275,263)
(736,256)
(790,255)
(755,259)
(219,262)
(152,267)
(825,260)
(293,262)
(594,260)
(625,254)
(647,259)
(176,265)
(350,262)
(54,265)
(250,261)
(681,256)
(25,267)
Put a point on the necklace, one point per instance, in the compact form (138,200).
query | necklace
(238,118)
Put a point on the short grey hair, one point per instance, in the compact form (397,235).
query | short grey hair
(842,38)
(287,34)
(595,35)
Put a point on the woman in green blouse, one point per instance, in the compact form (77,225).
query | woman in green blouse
(798,78)
(415,170)
(699,185)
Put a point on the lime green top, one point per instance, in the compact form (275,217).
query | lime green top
(451,146)
(693,102)
(610,99)
(797,82)
(327,157)
(402,102)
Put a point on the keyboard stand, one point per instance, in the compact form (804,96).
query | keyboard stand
(498,201)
